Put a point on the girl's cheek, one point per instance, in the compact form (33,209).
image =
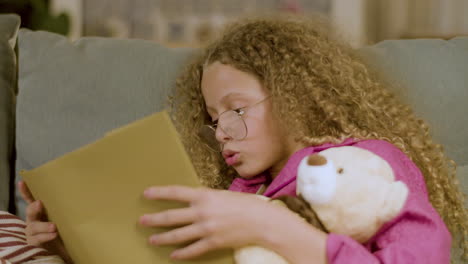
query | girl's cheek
(254,129)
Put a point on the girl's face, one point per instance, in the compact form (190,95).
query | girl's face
(267,146)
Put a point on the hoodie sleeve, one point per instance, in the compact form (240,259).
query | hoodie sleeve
(416,235)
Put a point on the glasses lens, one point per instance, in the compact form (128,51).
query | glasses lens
(233,125)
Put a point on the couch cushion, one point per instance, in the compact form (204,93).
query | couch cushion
(9,25)
(71,94)
(432,76)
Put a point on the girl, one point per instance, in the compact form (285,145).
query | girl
(263,96)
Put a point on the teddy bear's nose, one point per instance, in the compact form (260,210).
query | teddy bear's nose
(316,160)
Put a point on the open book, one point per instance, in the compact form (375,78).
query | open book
(95,194)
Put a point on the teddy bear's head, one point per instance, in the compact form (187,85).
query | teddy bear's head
(353,191)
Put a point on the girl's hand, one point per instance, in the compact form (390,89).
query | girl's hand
(214,219)
(40,232)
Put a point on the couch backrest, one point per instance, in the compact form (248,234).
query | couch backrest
(72,93)
(432,76)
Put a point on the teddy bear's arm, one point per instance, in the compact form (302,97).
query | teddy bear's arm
(303,209)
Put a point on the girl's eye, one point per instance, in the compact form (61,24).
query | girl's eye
(239,111)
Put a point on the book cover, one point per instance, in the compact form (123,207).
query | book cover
(95,194)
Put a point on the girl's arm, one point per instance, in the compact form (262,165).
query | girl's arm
(417,235)
(296,240)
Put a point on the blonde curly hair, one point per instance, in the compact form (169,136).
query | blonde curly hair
(323,92)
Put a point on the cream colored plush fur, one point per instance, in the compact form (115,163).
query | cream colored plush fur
(354,193)
(352,190)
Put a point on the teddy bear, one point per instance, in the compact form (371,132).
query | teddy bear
(345,190)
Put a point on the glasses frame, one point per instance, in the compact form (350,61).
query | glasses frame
(240,113)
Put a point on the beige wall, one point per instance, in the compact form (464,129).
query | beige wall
(361,22)
(350,18)
(160,20)
(420,18)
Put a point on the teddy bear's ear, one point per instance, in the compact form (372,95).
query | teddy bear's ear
(316,160)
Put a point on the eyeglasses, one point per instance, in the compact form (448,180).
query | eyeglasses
(231,122)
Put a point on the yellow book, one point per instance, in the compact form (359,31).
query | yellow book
(95,194)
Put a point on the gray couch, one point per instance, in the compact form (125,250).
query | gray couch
(69,94)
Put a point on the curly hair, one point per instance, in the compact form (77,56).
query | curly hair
(323,92)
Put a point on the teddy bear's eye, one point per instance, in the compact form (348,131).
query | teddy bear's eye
(340,170)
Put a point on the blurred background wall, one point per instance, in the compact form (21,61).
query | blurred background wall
(192,22)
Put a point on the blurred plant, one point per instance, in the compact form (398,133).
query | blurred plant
(36,15)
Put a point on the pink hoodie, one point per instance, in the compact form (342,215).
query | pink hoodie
(416,235)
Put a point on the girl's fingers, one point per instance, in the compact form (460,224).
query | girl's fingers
(35,228)
(34,211)
(25,192)
(170,217)
(42,238)
(196,249)
(178,235)
(173,192)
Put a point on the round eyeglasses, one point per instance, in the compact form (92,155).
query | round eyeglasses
(231,122)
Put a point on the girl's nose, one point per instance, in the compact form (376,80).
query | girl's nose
(221,136)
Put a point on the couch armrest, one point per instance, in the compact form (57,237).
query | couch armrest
(9,25)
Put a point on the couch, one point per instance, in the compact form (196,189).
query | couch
(56,96)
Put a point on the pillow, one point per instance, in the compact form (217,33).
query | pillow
(71,94)
(9,25)
(432,77)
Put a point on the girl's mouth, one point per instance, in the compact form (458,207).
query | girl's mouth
(232,160)
(231,157)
